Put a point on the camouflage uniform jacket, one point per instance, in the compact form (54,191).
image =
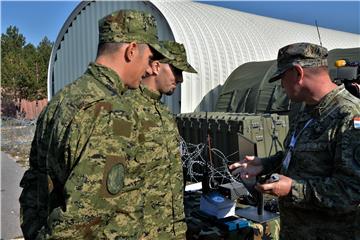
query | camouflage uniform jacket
(83,171)
(324,202)
(159,140)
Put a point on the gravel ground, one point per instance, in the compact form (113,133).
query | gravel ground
(16,137)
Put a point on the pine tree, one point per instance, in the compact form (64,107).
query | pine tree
(23,67)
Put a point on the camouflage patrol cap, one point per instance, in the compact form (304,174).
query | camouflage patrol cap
(303,54)
(179,53)
(126,26)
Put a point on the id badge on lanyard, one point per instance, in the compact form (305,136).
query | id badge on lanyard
(293,140)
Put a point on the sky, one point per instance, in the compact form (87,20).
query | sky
(37,19)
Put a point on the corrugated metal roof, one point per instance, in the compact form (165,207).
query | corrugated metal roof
(217,41)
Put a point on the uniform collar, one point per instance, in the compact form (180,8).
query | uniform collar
(150,94)
(108,77)
(325,103)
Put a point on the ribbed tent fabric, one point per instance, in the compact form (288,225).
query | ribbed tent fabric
(247,89)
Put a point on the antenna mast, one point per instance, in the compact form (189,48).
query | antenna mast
(318,32)
(206,178)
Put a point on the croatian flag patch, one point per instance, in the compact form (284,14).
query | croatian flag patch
(357,122)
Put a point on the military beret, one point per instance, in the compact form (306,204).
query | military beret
(179,53)
(126,26)
(303,54)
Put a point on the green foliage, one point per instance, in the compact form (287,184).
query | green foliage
(23,66)
(12,41)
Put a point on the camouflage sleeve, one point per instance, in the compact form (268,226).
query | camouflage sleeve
(33,199)
(35,194)
(342,189)
(176,171)
(57,144)
(273,163)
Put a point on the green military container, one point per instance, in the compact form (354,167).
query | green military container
(233,134)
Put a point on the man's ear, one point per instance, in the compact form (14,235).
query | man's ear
(130,51)
(299,71)
(155,66)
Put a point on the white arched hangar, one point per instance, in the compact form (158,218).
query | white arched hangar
(217,40)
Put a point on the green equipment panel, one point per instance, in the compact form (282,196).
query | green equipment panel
(227,130)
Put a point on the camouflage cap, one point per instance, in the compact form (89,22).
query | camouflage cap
(303,54)
(126,26)
(179,53)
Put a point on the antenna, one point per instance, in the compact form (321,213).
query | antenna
(205,179)
(317,27)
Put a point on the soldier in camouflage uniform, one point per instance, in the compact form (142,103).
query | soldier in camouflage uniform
(160,146)
(319,186)
(84,180)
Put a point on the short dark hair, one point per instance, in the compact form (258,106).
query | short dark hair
(142,47)
(156,54)
(107,48)
(316,70)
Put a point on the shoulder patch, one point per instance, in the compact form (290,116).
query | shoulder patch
(113,176)
(356,121)
(115,179)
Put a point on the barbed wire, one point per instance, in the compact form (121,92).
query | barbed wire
(193,161)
